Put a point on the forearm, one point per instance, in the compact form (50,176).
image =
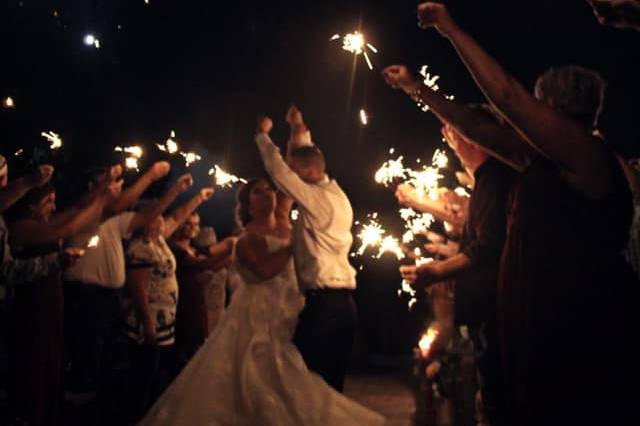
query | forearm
(153,210)
(131,194)
(453,266)
(438,210)
(180,214)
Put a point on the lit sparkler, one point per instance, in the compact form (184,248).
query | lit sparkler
(93,242)
(134,153)
(190,157)
(18,152)
(461,192)
(8,102)
(364,119)
(294,214)
(356,44)
(426,341)
(390,244)
(224,179)
(371,235)
(170,146)
(440,159)
(91,40)
(390,170)
(53,138)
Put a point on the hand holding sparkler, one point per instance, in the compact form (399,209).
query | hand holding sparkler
(159,170)
(421,276)
(399,77)
(184,182)
(70,257)
(265,124)
(432,14)
(206,193)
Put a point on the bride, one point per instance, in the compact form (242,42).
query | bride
(249,373)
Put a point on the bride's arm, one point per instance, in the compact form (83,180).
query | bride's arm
(253,253)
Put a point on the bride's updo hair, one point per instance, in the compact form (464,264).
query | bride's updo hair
(242,198)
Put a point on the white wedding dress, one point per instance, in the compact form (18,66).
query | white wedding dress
(248,373)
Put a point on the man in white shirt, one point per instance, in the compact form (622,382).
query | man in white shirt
(93,286)
(322,240)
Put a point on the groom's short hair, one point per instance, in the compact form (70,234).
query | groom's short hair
(308,156)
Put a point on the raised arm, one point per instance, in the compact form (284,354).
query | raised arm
(499,141)
(285,178)
(406,196)
(299,132)
(147,214)
(558,137)
(17,188)
(131,194)
(180,214)
(252,251)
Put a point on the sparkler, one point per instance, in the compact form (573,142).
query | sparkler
(363,117)
(370,236)
(461,192)
(440,159)
(224,179)
(53,138)
(190,157)
(390,244)
(18,152)
(390,170)
(294,214)
(93,242)
(356,44)
(134,154)
(8,102)
(426,341)
(170,145)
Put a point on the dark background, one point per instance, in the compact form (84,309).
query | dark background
(207,69)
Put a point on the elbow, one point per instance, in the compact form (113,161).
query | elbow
(508,96)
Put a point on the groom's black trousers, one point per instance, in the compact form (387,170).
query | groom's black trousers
(325,333)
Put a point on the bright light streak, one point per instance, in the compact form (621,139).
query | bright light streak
(53,138)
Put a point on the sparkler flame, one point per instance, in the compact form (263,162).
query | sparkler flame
(370,236)
(440,159)
(364,119)
(356,44)
(426,341)
(93,242)
(390,244)
(224,179)
(8,102)
(390,170)
(190,157)
(53,138)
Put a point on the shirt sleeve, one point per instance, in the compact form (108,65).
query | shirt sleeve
(123,224)
(20,271)
(139,255)
(307,197)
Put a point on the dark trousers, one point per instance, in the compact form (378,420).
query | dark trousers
(486,341)
(92,324)
(152,370)
(325,333)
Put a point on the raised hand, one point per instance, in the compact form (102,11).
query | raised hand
(405,193)
(399,77)
(184,182)
(294,116)
(42,175)
(206,193)
(265,124)
(159,170)
(432,14)
(115,172)
(114,189)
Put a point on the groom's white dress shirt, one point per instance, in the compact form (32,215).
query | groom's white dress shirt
(322,233)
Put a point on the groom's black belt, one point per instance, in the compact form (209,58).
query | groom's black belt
(316,291)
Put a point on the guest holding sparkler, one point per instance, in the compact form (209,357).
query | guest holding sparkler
(556,295)
(193,269)
(37,309)
(150,314)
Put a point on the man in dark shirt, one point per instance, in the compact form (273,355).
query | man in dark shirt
(475,267)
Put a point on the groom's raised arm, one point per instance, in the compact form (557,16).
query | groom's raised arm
(282,175)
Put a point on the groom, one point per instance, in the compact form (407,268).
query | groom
(322,240)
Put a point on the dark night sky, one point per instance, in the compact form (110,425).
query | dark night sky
(207,69)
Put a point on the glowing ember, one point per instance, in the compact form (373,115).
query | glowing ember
(440,159)
(461,192)
(390,244)
(370,236)
(18,152)
(8,102)
(170,146)
(426,341)
(390,170)
(425,181)
(356,44)
(224,179)
(134,151)
(93,242)
(131,163)
(53,138)
(190,157)
(363,117)
(295,214)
